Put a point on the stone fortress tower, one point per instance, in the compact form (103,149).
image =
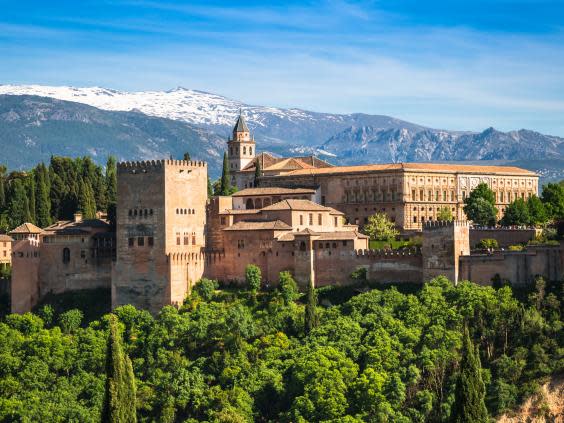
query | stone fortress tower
(240,148)
(160,233)
(443,244)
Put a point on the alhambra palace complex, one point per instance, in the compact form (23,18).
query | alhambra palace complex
(301,215)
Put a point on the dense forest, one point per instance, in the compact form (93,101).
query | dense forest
(46,194)
(338,354)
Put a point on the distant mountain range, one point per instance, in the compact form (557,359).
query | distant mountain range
(159,124)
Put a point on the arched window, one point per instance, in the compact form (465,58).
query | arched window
(302,246)
(66,255)
(249,204)
(251,151)
(244,150)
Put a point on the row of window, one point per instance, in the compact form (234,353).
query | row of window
(140,241)
(372,195)
(437,196)
(319,220)
(185,211)
(140,212)
(237,151)
(186,238)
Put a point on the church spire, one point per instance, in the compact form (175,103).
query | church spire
(241,125)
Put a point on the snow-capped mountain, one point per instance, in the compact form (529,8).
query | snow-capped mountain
(199,122)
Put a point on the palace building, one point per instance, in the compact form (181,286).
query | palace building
(298,214)
(409,193)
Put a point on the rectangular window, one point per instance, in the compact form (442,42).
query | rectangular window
(177,238)
(421,195)
(140,241)
(444,195)
(130,242)
(319,219)
(436,195)
(301,220)
(223,220)
(501,196)
(344,243)
(311,219)
(185,239)
(150,241)
(452,196)
(430,196)
(413,196)
(464,195)
(336,221)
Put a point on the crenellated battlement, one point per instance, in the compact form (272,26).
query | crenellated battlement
(388,253)
(159,164)
(437,224)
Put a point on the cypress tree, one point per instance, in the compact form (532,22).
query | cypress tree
(225,178)
(111,189)
(119,398)
(210,188)
(31,197)
(469,406)
(258,172)
(18,207)
(87,203)
(311,308)
(186,157)
(43,204)
(2,187)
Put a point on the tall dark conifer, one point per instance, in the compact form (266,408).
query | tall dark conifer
(311,319)
(18,207)
(2,187)
(119,398)
(43,203)
(32,198)
(258,172)
(469,405)
(87,203)
(111,189)
(225,177)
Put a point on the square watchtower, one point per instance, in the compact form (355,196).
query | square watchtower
(160,232)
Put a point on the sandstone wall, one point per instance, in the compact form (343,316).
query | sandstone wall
(25,275)
(519,267)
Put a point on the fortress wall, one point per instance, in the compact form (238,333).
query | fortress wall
(25,275)
(519,267)
(382,266)
(504,236)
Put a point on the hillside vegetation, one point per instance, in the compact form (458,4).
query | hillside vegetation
(234,356)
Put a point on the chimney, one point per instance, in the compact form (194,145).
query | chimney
(78,217)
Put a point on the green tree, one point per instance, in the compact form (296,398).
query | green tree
(553,198)
(381,228)
(111,189)
(258,173)
(445,214)
(288,287)
(205,288)
(70,320)
(253,278)
(469,405)
(32,198)
(537,211)
(480,205)
(43,205)
(311,318)
(18,207)
(120,395)
(186,157)
(210,188)
(516,213)
(87,203)
(2,187)
(225,187)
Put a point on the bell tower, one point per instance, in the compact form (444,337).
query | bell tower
(241,147)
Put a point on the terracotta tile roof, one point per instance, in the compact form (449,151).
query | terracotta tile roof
(26,228)
(5,238)
(239,211)
(269,162)
(325,236)
(305,205)
(277,225)
(70,227)
(272,191)
(421,167)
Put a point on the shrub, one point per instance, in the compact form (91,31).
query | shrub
(288,287)
(205,288)
(70,320)
(360,274)
(515,248)
(488,243)
(253,277)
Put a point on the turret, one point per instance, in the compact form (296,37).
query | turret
(241,147)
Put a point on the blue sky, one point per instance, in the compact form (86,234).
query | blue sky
(448,64)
